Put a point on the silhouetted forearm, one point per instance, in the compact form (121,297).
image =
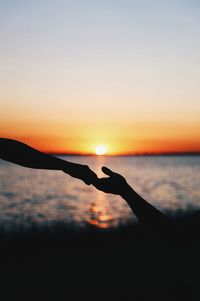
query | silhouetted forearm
(22,154)
(145,212)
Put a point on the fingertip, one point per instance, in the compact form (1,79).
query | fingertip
(104,168)
(107,171)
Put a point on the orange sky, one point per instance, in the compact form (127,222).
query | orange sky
(118,73)
(118,138)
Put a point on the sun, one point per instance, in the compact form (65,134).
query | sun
(100,150)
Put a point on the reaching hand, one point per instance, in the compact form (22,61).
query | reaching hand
(82,172)
(115,183)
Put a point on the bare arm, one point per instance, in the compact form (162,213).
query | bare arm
(22,154)
(145,212)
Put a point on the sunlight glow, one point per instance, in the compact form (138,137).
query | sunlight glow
(94,74)
(100,150)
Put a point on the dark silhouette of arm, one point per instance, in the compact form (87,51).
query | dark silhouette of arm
(22,154)
(145,212)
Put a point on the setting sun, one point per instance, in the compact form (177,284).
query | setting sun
(100,150)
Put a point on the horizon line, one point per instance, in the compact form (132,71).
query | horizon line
(195,153)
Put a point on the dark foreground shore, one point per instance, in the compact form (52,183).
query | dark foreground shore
(128,263)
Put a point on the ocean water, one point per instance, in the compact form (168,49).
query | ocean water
(39,197)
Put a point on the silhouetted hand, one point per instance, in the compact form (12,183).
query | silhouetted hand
(115,183)
(82,172)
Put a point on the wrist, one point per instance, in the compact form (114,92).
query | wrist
(127,191)
(66,166)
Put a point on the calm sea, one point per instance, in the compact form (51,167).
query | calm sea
(40,197)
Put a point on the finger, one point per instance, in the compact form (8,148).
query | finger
(99,184)
(87,182)
(90,179)
(107,171)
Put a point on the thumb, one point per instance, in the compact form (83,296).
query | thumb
(107,171)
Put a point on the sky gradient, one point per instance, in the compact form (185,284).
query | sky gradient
(125,74)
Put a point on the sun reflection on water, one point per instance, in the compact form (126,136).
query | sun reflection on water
(99,216)
(38,197)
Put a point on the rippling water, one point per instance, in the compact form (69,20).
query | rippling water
(29,196)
